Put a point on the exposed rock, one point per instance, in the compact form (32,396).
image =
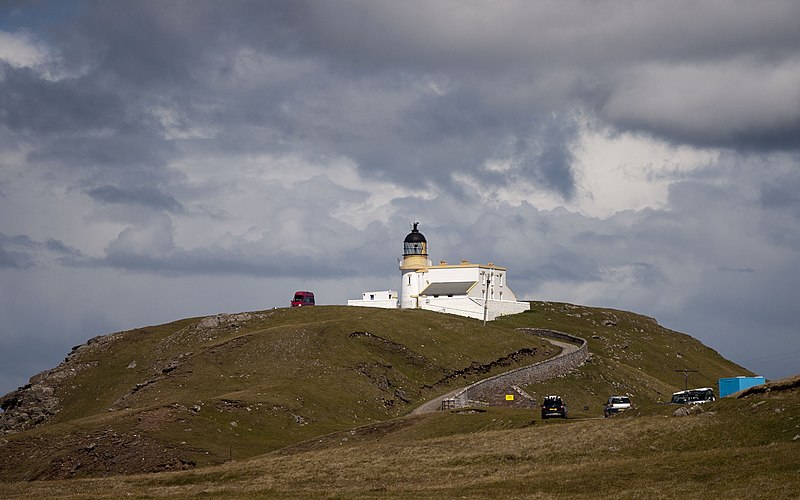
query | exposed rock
(685,411)
(401,395)
(230,320)
(208,322)
(651,320)
(27,407)
(170,366)
(681,412)
(610,320)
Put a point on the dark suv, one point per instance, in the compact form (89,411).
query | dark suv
(553,406)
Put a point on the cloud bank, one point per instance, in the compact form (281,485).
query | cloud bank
(186,158)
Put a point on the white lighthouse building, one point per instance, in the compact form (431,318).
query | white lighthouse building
(466,289)
(412,268)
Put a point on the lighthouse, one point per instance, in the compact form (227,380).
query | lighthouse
(477,291)
(413,267)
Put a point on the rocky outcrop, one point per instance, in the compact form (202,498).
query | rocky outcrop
(26,407)
(37,401)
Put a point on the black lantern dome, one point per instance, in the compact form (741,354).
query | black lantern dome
(415,242)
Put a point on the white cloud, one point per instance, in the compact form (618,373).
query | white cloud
(21,49)
(629,171)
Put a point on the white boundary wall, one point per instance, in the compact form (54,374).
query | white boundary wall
(473,308)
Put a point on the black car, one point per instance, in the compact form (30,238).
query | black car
(553,406)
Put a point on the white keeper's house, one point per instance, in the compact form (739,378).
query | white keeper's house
(466,289)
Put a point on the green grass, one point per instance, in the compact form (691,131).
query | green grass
(262,382)
(630,354)
(308,406)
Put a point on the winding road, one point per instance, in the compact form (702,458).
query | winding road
(436,403)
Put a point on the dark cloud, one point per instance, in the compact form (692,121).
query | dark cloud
(16,252)
(60,248)
(76,106)
(12,259)
(147,196)
(450,89)
(362,255)
(21,251)
(450,36)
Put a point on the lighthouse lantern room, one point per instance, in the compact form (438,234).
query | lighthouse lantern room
(412,268)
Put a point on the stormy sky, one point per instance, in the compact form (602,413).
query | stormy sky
(167,159)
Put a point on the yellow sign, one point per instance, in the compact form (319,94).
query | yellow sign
(509,397)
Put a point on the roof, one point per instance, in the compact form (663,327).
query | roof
(415,236)
(448,288)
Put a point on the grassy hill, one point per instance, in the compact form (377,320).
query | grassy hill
(320,389)
(204,390)
(631,354)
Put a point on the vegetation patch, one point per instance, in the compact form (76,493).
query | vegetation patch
(314,402)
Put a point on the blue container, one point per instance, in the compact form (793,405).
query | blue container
(736,384)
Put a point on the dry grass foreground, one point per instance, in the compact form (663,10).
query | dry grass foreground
(740,448)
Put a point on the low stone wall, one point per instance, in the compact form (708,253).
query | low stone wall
(537,372)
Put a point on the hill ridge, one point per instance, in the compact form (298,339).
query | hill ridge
(246,383)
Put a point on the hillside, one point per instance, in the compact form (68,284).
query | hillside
(746,447)
(201,391)
(631,354)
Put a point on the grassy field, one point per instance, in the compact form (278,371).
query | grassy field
(310,403)
(737,448)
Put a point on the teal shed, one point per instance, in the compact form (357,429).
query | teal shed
(736,384)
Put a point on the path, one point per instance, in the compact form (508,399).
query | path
(436,403)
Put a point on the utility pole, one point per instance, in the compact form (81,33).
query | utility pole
(486,297)
(686,373)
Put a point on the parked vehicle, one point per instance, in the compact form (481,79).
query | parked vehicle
(616,404)
(303,299)
(553,406)
(694,396)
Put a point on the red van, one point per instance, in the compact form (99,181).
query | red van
(303,299)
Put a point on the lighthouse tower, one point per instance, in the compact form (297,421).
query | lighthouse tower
(412,268)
